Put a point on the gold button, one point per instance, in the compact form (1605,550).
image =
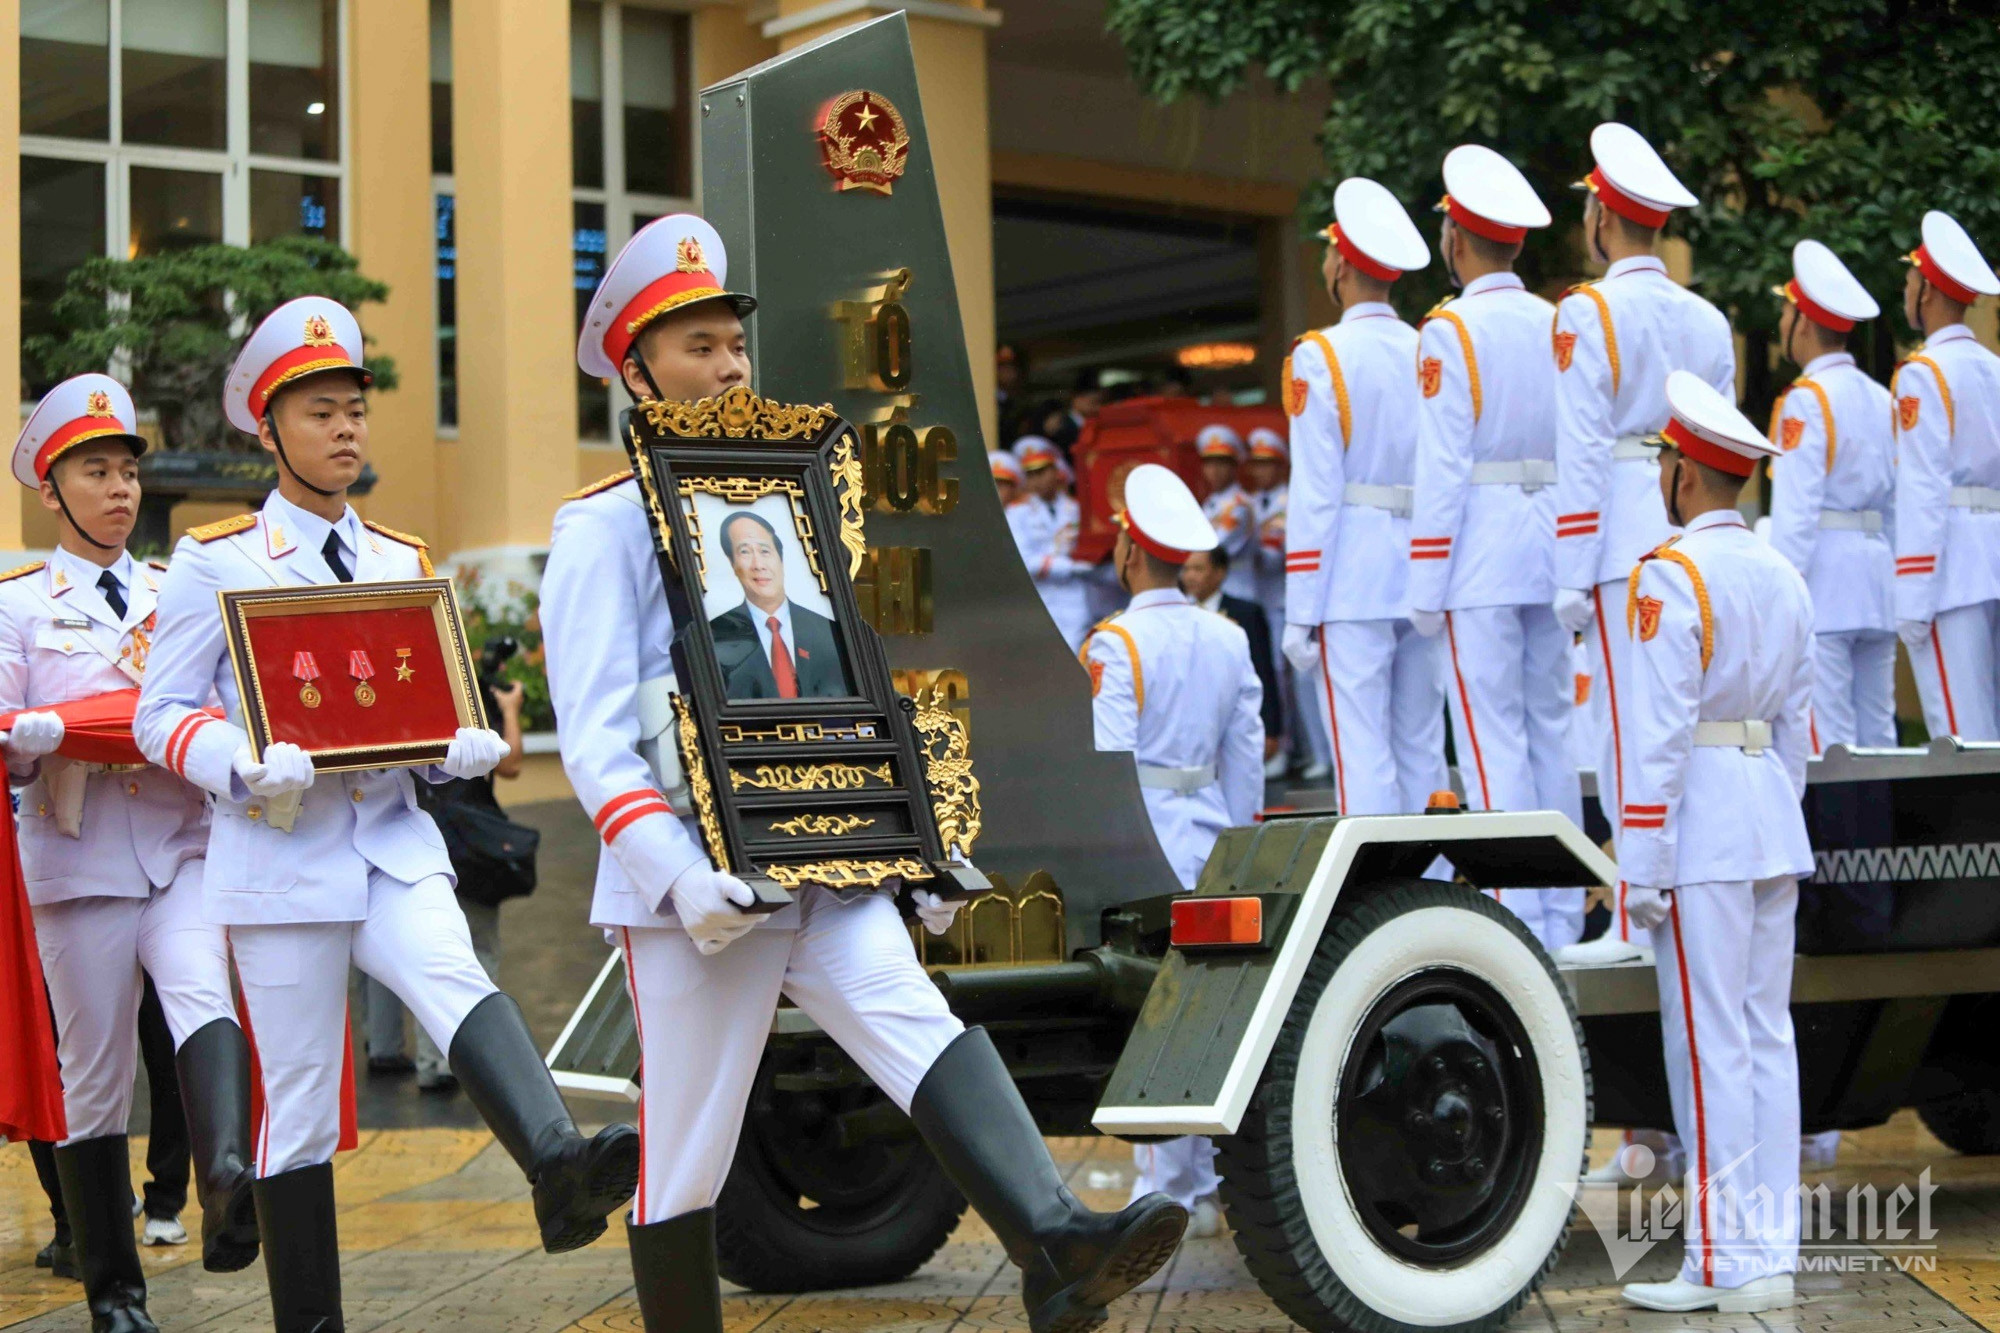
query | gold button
(254,811)
(132,788)
(44,808)
(68,646)
(357,795)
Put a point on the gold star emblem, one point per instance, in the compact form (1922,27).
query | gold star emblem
(867,116)
(403,672)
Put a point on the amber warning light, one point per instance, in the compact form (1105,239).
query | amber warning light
(1211,922)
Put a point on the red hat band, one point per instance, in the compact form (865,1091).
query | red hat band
(1479,226)
(1353,255)
(671,292)
(1266,453)
(1712,455)
(1624,205)
(298,363)
(1814,311)
(68,436)
(1942,280)
(1172,555)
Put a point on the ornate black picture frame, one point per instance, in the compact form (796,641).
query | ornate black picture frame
(803,763)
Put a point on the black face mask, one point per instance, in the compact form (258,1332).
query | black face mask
(1674,496)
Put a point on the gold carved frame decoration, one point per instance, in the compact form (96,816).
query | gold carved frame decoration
(738,413)
(699,790)
(849,874)
(825,826)
(811,777)
(942,739)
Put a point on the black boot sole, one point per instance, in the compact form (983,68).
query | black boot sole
(610,1177)
(1142,1251)
(231,1245)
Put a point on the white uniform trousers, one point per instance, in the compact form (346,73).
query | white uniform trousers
(1958,673)
(1512,693)
(92,952)
(414,940)
(703,1022)
(1610,648)
(1183,1169)
(1380,692)
(1724,958)
(1854,689)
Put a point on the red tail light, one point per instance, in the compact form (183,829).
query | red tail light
(1199,922)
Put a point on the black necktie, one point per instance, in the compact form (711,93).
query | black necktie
(114,593)
(331,553)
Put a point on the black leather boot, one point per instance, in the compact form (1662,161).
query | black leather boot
(1073,1261)
(214,1065)
(673,1263)
(578,1181)
(301,1249)
(96,1177)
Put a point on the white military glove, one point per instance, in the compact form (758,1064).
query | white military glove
(707,902)
(1647,908)
(34,735)
(1301,646)
(934,910)
(285,768)
(1574,610)
(1430,624)
(1915,633)
(473,753)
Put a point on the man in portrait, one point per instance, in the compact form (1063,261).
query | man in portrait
(769,646)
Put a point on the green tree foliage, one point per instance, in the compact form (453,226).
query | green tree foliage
(171,323)
(1837,119)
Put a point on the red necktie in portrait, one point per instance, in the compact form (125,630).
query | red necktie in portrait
(782,670)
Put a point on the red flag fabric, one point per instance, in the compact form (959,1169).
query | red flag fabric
(350,1122)
(31,1105)
(96,730)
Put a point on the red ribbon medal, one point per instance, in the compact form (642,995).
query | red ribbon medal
(359,667)
(306,670)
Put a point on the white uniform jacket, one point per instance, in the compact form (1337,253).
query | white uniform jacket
(1045,534)
(1173,684)
(1271,508)
(1234,515)
(1833,492)
(1721,630)
(1948,476)
(347,822)
(1616,341)
(1354,433)
(1486,394)
(60,642)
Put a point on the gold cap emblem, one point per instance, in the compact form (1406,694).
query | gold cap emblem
(319,333)
(98,404)
(688,257)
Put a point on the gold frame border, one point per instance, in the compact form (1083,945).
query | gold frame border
(699,790)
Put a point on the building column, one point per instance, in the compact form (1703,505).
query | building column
(949,40)
(516,309)
(10,246)
(394,239)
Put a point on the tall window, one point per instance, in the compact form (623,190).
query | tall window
(631,137)
(190,121)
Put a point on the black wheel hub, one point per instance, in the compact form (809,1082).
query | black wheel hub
(1439,1118)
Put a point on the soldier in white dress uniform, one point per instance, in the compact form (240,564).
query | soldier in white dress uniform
(1043,519)
(1173,684)
(112,858)
(1482,527)
(1714,843)
(1615,341)
(312,876)
(1375,683)
(1833,487)
(1006,470)
(1228,506)
(1948,489)
(706,976)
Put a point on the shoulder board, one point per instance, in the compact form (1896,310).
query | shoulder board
(601,484)
(395,536)
(24,570)
(227,527)
(156,564)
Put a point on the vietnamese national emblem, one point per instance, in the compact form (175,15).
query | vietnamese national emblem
(319,333)
(688,257)
(1649,617)
(1430,374)
(1792,432)
(98,404)
(1565,349)
(1906,413)
(863,141)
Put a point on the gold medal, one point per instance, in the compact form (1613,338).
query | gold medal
(308,695)
(305,670)
(359,667)
(364,694)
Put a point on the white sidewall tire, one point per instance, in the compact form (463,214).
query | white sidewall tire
(1420,940)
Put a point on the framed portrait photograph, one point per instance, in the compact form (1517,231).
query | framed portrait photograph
(358,675)
(803,763)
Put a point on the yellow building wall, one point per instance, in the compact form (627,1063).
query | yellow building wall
(12,510)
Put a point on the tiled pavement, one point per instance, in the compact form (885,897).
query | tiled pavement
(436,1234)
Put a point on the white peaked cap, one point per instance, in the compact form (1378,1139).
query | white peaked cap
(1003,464)
(1267,443)
(1709,429)
(1636,174)
(1487,195)
(1035,451)
(670,262)
(1215,440)
(301,337)
(1952,262)
(1370,220)
(80,409)
(1163,516)
(1825,292)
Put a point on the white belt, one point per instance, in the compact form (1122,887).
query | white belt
(1752,737)
(1850,520)
(1528,473)
(1635,447)
(1983,499)
(1186,781)
(1396,499)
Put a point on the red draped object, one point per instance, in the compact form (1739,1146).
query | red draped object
(31,1105)
(96,730)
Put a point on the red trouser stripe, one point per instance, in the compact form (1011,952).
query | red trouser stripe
(1333,725)
(1702,1192)
(639,1028)
(1617,740)
(1944,680)
(1465,705)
